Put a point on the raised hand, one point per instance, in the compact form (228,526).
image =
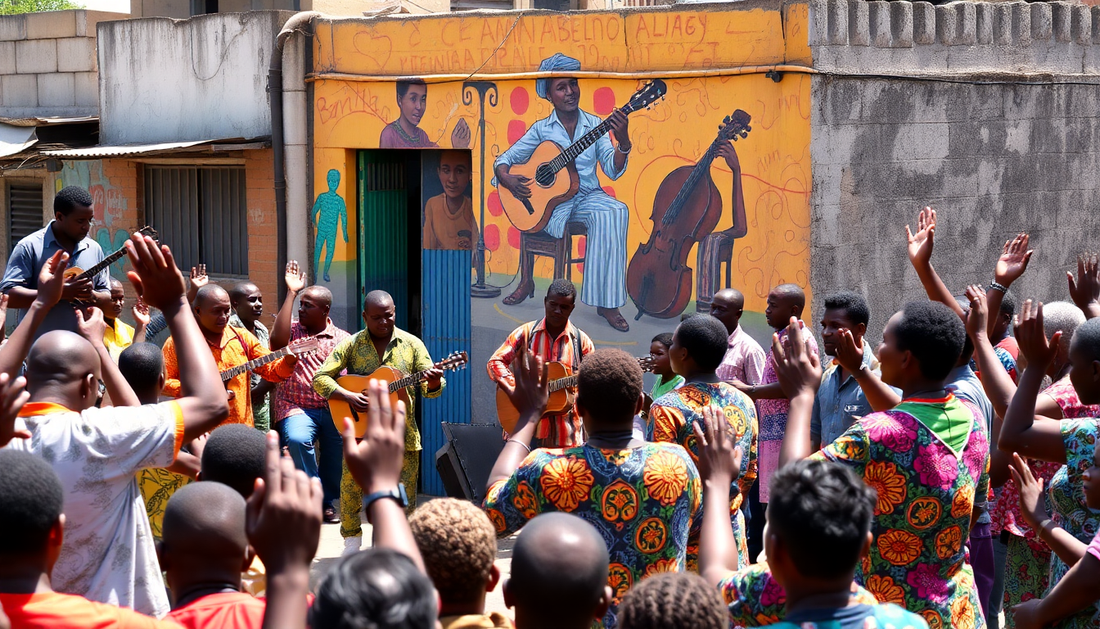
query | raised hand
(284,513)
(295,278)
(460,136)
(198,280)
(531,393)
(13,395)
(798,369)
(155,276)
(1013,261)
(922,242)
(849,354)
(1085,290)
(51,279)
(141,313)
(91,325)
(1032,505)
(978,318)
(375,463)
(719,456)
(1032,338)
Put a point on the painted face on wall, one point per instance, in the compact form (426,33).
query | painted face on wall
(565,94)
(413,103)
(454,173)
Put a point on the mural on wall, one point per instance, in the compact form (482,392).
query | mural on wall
(404,133)
(449,221)
(329,213)
(108,205)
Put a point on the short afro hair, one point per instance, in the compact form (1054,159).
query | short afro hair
(458,544)
(705,340)
(562,288)
(664,338)
(609,383)
(239,290)
(1064,317)
(235,455)
(822,512)
(1086,340)
(853,304)
(934,334)
(32,497)
(142,365)
(378,588)
(673,600)
(71,198)
(1008,304)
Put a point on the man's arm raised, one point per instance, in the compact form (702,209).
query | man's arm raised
(158,281)
(51,281)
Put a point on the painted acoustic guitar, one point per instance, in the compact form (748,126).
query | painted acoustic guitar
(562,382)
(550,187)
(397,384)
(76,273)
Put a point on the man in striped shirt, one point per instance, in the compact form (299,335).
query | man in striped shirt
(554,339)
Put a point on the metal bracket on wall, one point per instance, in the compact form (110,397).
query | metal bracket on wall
(774,75)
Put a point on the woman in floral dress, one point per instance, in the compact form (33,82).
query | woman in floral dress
(1071,441)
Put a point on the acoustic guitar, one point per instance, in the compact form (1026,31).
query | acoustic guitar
(561,381)
(549,186)
(298,348)
(73,273)
(397,384)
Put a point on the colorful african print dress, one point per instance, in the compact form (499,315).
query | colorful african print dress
(755,599)
(671,419)
(1067,500)
(643,501)
(922,518)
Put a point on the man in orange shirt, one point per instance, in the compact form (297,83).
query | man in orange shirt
(231,347)
(34,529)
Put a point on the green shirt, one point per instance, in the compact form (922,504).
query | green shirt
(357,355)
(661,387)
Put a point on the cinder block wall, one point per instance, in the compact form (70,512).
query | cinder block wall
(48,63)
(989,113)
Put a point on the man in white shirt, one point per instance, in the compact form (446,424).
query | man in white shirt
(108,555)
(744,359)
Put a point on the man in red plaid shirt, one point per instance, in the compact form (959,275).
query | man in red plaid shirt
(300,414)
(554,339)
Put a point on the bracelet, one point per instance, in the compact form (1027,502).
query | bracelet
(626,152)
(996,286)
(525,446)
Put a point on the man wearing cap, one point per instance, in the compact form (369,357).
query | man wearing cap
(604,217)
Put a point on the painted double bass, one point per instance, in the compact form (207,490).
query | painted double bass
(686,210)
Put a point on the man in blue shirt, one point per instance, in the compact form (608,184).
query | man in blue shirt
(67,232)
(840,399)
(604,217)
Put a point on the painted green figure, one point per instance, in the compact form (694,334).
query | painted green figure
(328,210)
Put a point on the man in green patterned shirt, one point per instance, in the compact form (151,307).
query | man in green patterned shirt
(381,344)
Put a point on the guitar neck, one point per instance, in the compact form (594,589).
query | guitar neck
(573,151)
(408,381)
(233,372)
(701,167)
(102,264)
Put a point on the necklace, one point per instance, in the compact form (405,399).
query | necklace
(401,131)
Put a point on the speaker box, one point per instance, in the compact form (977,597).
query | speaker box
(465,461)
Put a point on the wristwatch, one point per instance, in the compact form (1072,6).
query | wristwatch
(397,493)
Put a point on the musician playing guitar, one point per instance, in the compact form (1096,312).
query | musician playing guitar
(382,343)
(556,339)
(604,217)
(68,231)
(231,347)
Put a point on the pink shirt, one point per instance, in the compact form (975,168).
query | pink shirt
(744,359)
(296,392)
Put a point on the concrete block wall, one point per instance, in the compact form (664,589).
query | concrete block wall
(48,63)
(917,38)
(993,157)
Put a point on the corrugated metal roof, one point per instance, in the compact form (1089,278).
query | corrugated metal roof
(124,150)
(15,139)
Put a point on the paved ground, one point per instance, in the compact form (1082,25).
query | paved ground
(332,545)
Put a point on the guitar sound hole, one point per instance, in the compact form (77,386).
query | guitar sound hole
(544,175)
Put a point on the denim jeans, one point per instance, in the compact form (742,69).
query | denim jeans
(301,432)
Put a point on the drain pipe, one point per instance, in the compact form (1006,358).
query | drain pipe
(300,22)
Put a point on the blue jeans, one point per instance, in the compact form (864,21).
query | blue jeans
(301,431)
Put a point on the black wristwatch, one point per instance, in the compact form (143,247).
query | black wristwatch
(397,493)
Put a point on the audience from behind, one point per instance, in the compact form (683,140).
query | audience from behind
(678,600)
(379,588)
(203,552)
(559,574)
(32,532)
(234,456)
(459,545)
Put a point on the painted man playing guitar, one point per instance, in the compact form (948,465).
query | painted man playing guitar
(554,339)
(604,216)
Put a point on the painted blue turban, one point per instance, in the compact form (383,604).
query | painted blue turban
(557,63)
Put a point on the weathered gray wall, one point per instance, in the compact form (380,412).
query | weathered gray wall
(993,159)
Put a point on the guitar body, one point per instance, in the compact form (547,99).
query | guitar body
(560,400)
(658,278)
(341,409)
(548,190)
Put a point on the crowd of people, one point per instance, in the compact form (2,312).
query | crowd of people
(946,478)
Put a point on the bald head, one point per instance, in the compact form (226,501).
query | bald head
(784,301)
(204,523)
(727,306)
(320,295)
(377,299)
(559,569)
(60,358)
(211,294)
